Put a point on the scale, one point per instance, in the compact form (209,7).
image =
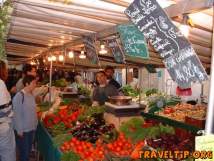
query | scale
(133,109)
(117,114)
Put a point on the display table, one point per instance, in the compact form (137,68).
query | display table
(171,122)
(45,144)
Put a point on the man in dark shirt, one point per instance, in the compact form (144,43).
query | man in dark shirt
(109,71)
(103,90)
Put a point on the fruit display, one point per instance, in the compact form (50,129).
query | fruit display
(62,119)
(82,134)
(85,150)
(181,111)
(120,147)
(92,129)
(171,142)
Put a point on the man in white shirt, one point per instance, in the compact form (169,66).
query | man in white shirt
(7,137)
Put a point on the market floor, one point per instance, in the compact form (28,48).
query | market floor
(33,157)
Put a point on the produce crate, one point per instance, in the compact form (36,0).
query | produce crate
(45,144)
(171,122)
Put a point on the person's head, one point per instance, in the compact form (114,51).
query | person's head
(3,71)
(29,70)
(78,79)
(101,78)
(29,82)
(109,71)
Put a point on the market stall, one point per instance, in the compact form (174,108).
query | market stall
(88,36)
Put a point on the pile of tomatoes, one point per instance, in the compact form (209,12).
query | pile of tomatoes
(63,115)
(121,147)
(85,150)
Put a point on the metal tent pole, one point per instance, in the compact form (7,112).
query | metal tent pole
(209,128)
(50,79)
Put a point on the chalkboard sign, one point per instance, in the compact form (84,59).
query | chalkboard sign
(150,68)
(179,57)
(133,41)
(117,52)
(91,52)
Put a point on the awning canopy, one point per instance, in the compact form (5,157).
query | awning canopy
(38,27)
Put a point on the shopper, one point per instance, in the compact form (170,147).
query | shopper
(78,83)
(27,70)
(25,119)
(103,90)
(7,138)
(109,71)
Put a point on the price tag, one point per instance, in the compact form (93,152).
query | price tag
(204,143)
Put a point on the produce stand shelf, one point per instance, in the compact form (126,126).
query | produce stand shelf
(171,122)
(46,145)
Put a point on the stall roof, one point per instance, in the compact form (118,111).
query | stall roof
(42,25)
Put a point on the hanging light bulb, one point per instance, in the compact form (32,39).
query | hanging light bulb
(32,63)
(184,30)
(61,58)
(102,49)
(71,54)
(49,58)
(53,58)
(82,55)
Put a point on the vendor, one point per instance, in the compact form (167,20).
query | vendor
(103,90)
(78,82)
(109,71)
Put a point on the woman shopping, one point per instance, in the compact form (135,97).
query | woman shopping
(7,138)
(25,119)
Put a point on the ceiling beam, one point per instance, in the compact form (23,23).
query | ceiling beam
(97,15)
(117,2)
(188,6)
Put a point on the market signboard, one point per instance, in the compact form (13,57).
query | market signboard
(133,41)
(91,52)
(117,52)
(179,57)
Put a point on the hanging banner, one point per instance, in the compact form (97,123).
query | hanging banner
(133,41)
(91,52)
(116,50)
(179,57)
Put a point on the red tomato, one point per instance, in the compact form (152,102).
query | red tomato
(109,146)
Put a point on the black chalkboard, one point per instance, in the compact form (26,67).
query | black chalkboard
(117,52)
(91,52)
(167,40)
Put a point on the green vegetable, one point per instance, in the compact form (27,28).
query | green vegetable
(90,111)
(149,92)
(60,83)
(60,139)
(5,13)
(84,91)
(129,91)
(159,101)
(58,129)
(70,156)
(45,106)
(134,130)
